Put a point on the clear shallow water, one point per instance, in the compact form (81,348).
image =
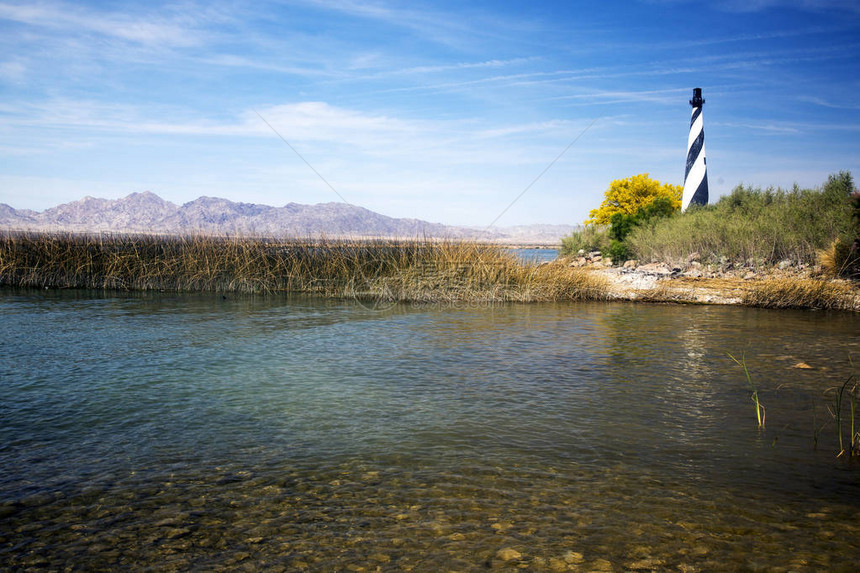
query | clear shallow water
(190,432)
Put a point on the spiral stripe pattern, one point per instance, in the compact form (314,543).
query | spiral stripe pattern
(696,173)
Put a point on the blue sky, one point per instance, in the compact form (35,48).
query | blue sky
(444,111)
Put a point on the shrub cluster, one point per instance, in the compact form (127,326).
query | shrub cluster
(622,224)
(756,227)
(586,239)
(627,203)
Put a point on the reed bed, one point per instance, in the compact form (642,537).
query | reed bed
(803,293)
(391,270)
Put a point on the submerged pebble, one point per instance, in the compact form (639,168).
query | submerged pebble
(293,437)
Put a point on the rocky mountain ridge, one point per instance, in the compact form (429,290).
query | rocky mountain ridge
(148,213)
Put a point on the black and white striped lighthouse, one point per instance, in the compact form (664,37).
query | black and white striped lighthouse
(696,175)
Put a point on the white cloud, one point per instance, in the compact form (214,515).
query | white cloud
(309,121)
(788,127)
(665,97)
(176,30)
(235,61)
(820,101)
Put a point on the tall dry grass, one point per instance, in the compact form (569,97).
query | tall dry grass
(802,293)
(393,270)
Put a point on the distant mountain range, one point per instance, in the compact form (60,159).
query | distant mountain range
(148,213)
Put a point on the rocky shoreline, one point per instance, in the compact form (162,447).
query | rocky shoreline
(788,284)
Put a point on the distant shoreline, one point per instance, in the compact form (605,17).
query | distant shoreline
(505,243)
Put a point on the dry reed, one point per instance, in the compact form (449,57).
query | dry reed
(396,270)
(803,293)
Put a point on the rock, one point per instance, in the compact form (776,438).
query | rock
(177,532)
(802,366)
(647,565)
(658,269)
(508,554)
(602,565)
(574,557)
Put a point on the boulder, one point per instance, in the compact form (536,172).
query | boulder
(508,554)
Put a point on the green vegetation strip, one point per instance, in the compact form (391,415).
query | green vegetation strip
(751,227)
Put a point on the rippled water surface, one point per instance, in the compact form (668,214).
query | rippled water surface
(535,255)
(165,432)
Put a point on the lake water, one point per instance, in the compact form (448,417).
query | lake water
(193,432)
(535,255)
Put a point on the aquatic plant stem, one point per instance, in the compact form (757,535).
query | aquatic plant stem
(855,435)
(759,409)
(838,414)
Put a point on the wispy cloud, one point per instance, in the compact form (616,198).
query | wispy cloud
(807,5)
(767,5)
(308,121)
(820,101)
(425,102)
(237,61)
(489,64)
(665,97)
(788,127)
(772,128)
(13,70)
(176,30)
(433,25)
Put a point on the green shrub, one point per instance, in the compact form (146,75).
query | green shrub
(753,226)
(622,224)
(588,238)
(618,252)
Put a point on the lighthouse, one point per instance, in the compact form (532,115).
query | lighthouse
(696,175)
